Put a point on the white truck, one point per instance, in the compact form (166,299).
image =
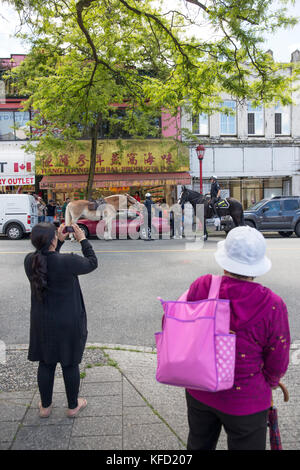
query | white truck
(18,215)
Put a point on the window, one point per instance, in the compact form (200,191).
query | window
(6,125)
(273,206)
(13,125)
(255,120)
(200,124)
(21,120)
(290,205)
(228,122)
(282,120)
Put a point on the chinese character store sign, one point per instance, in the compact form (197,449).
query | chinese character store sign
(133,156)
(16,170)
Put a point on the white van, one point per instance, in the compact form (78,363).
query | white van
(18,215)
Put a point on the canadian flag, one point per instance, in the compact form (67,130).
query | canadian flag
(18,167)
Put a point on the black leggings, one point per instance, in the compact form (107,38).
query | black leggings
(45,378)
(247,432)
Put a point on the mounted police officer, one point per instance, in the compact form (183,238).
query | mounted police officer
(215,194)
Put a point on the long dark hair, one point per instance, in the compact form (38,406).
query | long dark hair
(41,237)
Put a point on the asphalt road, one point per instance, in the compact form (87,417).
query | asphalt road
(121,295)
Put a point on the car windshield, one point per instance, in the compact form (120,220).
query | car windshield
(257,205)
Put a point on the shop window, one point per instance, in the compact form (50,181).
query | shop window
(255,120)
(13,125)
(6,125)
(282,120)
(21,126)
(200,124)
(228,121)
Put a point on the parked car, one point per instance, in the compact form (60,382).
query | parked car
(126,223)
(18,215)
(277,214)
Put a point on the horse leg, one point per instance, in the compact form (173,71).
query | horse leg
(69,219)
(205,230)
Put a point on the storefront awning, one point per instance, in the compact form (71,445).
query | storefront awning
(67,182)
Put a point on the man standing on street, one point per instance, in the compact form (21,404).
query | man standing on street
(148,214)
(51,211)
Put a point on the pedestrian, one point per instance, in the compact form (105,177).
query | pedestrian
(58,322)
(64,207)
(50,211)
(259,318)
(137,196)
(148,214)
(41,207)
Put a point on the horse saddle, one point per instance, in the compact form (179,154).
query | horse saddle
(93,205)
(222,204)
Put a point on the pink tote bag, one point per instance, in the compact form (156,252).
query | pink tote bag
(195,348)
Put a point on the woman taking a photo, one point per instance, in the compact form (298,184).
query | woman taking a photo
(58,323)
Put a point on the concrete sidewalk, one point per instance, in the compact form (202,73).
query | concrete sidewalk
(127,410)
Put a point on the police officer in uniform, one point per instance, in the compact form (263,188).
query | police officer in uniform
(215,193)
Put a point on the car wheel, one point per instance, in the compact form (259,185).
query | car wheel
(14,232)
(285,234)
(250,223)
(85,229)
(297,229)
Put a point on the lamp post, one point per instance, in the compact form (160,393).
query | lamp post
(200,150)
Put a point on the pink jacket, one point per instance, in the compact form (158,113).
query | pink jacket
(260,320)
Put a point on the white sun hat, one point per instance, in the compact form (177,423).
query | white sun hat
(243,252)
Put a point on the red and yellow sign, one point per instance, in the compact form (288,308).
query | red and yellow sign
(126,156)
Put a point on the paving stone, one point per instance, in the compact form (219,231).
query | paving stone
(150,437)
(102,374)
(102,406)
(100,388)
(8,430)
(139,415)
(50,437)
(96,443)
(97,426)
(4,445)
(131,397)
(12,410)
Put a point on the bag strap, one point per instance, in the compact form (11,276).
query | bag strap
(214,287)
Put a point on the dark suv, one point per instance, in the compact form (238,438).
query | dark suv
(278,214)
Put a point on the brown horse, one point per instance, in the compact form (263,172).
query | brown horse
(103,208)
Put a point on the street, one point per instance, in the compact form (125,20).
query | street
(121,295)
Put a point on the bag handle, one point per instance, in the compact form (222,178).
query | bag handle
(214,287)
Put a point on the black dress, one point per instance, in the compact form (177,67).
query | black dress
(58,325)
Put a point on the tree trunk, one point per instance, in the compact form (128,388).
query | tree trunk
(93,154)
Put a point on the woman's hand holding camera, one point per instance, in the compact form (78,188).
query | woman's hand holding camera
(63,233)
(78,233)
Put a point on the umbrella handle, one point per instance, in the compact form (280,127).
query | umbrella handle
(284,391)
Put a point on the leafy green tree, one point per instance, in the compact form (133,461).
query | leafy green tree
(87,54)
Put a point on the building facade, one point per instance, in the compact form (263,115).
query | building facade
(123,164)
(255,153)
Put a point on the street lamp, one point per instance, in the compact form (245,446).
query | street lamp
(200,150)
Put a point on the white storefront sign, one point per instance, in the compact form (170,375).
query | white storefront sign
(16,166)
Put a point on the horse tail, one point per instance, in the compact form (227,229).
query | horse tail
(68,215)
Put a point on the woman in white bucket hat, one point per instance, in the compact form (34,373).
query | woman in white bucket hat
(259,319)
(243,252)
